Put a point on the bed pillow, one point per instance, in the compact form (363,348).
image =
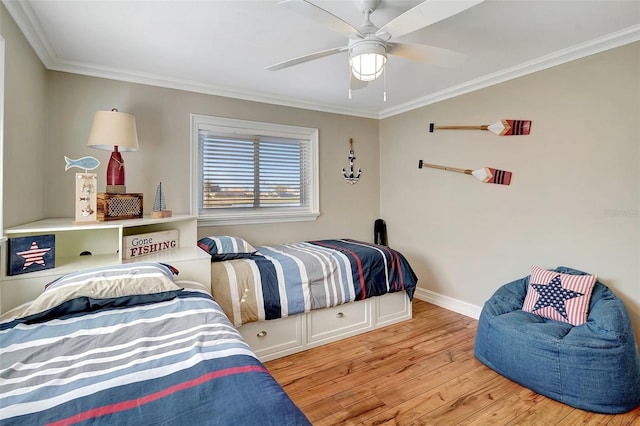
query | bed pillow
(94,288)
(559,296)
(226,248)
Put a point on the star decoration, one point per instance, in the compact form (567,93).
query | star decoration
(34,255)
(554,295)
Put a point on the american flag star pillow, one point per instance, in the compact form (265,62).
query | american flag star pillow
(558,296)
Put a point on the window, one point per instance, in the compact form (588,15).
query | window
(252,172)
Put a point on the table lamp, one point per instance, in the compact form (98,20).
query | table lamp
(114,130)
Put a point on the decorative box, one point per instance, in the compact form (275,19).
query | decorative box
(31,254)
(150,243)
(119,206)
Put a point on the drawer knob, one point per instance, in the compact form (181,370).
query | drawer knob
(262,333)
(339,315)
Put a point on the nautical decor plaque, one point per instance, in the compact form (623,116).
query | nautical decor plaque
(86,184)
(151,243)
(86,202)
(31,254)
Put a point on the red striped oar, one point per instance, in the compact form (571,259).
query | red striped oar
(500,128)
(485,174)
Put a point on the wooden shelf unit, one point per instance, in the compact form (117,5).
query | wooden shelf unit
(104,240)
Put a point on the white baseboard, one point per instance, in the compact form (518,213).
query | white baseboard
(449,303)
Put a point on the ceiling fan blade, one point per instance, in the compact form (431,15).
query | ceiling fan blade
(427,54)
(426,13)
(306,58)
(321,16)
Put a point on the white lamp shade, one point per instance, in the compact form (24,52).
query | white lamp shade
(113,128)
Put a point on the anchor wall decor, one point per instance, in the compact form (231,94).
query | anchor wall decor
(351,177)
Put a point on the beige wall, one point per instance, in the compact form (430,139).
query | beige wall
(25,125)
(48,115)
(574,199)
(575,195)
(163,122)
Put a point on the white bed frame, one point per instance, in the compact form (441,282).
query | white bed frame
(285,336)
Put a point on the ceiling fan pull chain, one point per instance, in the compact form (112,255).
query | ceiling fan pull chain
(384,92)
(349,79)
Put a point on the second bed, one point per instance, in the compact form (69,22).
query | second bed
(308,287)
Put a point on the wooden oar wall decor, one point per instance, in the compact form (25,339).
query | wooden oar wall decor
(485,174)
(500,128)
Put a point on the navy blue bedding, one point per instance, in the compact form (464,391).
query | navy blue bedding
(160,362)
(288,279)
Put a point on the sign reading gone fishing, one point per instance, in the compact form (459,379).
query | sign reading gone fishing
(153,242)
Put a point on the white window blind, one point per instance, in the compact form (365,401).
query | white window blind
(255,172)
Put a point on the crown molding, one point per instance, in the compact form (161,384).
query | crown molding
(197,87)
(27,21)
(609,41)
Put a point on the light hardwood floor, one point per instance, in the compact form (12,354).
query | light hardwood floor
(419,372)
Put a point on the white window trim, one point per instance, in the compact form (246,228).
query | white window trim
(2,238)
(244,127)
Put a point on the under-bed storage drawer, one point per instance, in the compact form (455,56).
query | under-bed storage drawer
(277,337)
(327,325)
(391,308)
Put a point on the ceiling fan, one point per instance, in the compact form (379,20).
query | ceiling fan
(369,45)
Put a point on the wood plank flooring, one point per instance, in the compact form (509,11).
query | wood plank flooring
(419,372)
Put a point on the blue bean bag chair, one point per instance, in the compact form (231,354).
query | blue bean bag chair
(594,366)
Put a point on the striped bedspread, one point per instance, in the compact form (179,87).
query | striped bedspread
(283,280)
(170,362)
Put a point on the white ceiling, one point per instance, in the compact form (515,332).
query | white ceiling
(222,47)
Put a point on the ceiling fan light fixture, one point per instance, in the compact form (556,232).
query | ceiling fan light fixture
(367,60)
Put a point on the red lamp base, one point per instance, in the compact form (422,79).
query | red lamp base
(115,173)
